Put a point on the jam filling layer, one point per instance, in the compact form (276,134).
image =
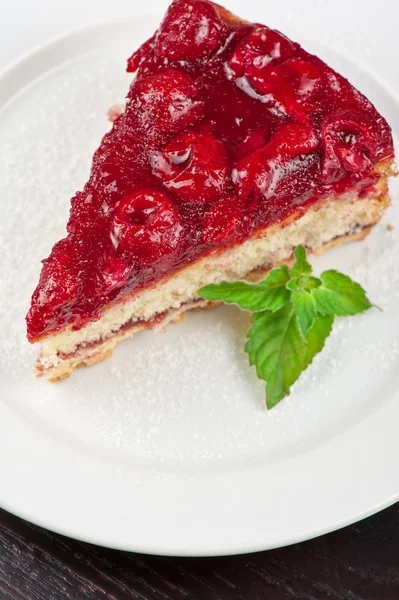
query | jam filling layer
(228,128)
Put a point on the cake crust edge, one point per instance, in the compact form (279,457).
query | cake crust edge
(100,351)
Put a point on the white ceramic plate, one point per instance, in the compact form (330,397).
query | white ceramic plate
(167,447)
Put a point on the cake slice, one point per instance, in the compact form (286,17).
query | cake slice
(235,146)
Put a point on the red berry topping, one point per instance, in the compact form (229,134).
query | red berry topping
(191,29)
(257,53)
(59,287)
(137,59)
(350,142)
(293,139)
(260,174)
(59,279)
(254,140)
(193,167)
(222,220)
(115,272)
(167,102)
(146,227)
(296,84)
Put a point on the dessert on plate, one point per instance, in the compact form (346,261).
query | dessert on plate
(234,147)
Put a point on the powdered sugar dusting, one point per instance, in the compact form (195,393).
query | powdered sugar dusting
(47,138)
(186,398)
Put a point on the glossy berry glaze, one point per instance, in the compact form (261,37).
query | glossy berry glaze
(228,128)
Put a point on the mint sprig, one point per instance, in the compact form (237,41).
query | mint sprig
(293,316)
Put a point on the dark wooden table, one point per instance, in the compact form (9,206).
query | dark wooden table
(360,562)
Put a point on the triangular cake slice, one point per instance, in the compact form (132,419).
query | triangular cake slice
(235,146)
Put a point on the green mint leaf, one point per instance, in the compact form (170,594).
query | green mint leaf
(301,266)
(276,347)
(317,336)
(278,350)
(303,301)
(305,309)
(269,294)
(339,295)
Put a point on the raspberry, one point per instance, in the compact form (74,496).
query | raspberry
(193,167)
(191,29)
(147,227)
(350,142)
(167,102)
(257,53)
(222,220)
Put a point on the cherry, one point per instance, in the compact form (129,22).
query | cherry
(115,273)
(296,84)
(166,102)
(193,166)
(59,281)
(139,57)
(257,53)
(222,220)
(293,139)
(147,227)
(191,29)
(262,172)
(349,142)
(254,140)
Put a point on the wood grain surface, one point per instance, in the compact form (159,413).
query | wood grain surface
(360,562)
